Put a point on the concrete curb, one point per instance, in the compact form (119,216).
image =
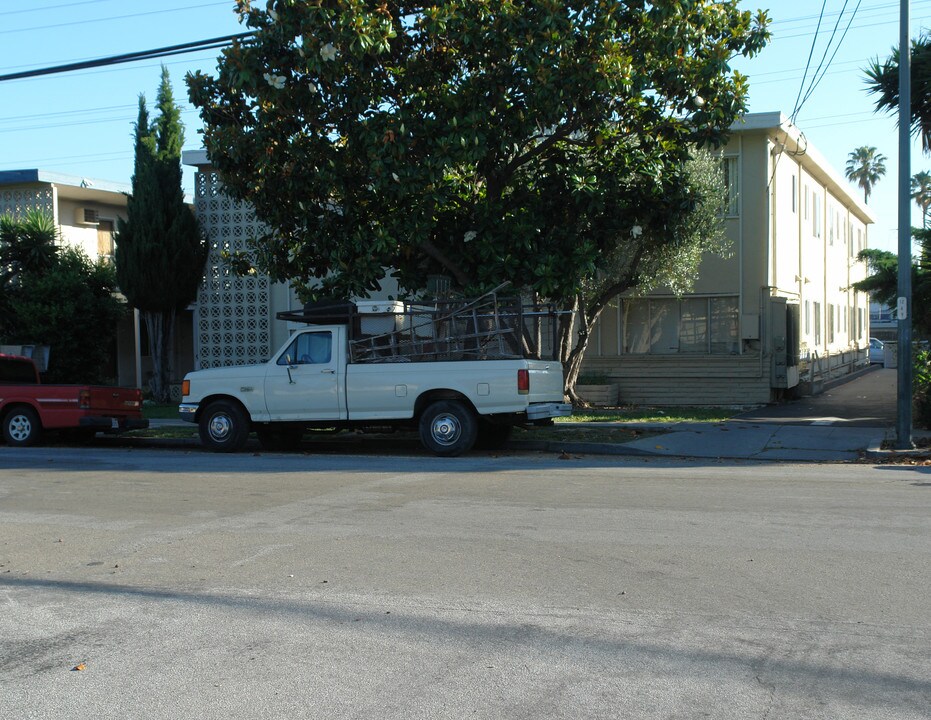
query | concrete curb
(876,451)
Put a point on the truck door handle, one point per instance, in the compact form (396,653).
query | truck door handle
(327,372)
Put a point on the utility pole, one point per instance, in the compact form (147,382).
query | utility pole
(904,304)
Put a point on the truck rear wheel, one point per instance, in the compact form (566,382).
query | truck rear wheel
(21,427)
(448,428)
(223,427)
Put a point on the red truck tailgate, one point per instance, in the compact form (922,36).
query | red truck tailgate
(111,400)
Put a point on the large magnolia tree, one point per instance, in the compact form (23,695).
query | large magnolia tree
(543,142)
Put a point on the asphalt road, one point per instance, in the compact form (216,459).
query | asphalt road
(190,585)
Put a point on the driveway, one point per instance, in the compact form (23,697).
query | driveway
(868,400)
(839,425)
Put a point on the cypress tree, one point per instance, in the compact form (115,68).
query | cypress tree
(160,251)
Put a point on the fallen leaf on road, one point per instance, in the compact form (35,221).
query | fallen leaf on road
(79,667)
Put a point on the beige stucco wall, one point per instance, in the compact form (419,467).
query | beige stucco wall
(775,253)
(84,236)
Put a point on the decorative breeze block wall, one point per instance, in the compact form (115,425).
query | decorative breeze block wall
(231,319)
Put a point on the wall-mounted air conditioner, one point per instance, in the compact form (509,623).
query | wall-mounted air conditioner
(86,216)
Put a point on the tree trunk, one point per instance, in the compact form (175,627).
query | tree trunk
(161,329)
(573,346)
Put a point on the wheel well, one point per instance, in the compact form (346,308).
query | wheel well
(202,404)
(431,396)
(6,410)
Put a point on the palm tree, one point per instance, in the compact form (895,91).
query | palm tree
(882,80)
(921,194)
(865,166)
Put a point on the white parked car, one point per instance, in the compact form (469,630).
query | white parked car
(877,351)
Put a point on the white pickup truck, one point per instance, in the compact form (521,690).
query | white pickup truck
(460,389)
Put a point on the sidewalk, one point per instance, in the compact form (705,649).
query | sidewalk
(848,420)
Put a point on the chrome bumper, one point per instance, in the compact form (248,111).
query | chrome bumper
(187,412)
(542,411)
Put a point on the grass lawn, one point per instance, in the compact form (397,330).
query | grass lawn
(651,414)
(155,411)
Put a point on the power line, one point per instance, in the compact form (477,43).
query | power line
(90,121)
(811,52)
(113,17)
(213,43)
(839,43)
(52,7)
(827,49)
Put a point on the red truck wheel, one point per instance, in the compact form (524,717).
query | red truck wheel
(21,427)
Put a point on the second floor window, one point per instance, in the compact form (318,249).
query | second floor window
(731,182)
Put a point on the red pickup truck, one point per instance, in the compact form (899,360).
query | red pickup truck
(27,408)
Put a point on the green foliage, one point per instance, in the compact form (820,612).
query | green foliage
(539,142)
(882,79)
(882,283)
(921,194)
(160,250)
(865,166)
(27,245)
(921,387)
(71,307)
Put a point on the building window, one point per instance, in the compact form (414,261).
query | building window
(725,326)
(816,309)
(794,194)
(815,215)
(731,182)
(808,317)
(830,228)
(693,325)
(662,326)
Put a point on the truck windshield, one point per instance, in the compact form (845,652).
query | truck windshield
(17,371)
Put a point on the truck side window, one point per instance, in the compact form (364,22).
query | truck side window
(314,348)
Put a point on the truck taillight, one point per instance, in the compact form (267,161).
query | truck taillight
(523,382)
(185,387)
(84,399)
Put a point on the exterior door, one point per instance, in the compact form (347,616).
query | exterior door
(304,382)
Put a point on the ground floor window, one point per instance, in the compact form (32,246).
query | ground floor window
(661,326)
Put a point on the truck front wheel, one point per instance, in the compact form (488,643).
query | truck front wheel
(223,427)
(448,428)
(21,427)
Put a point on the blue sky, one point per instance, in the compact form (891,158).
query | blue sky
(80,123)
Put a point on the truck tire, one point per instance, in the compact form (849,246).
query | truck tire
(223,426)
(448,428)
(21,427)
